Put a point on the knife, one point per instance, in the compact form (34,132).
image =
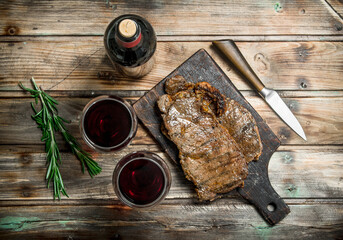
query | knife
(231,51)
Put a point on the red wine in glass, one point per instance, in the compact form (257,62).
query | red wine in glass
(108,123)
(141,179)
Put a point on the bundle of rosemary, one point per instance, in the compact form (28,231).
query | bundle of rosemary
(50,122)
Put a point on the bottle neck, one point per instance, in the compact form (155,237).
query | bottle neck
(128,36)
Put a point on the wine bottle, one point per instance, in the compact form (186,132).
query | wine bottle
(130,43)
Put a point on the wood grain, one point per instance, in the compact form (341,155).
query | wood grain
(81,64)
(223,219)
(294,46)
(321,121)
(301,173)
(206,17)
(337,6)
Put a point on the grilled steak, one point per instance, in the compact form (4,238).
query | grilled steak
(209,155)
(242,127)
(177,84)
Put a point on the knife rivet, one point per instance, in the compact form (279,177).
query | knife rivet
(308,123)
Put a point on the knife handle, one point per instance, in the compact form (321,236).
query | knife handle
(231,51)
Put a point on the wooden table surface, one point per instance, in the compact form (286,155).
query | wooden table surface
(294,46)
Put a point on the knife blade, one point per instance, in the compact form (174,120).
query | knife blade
(231,51)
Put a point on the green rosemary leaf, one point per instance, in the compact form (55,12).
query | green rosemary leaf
(34,109)
(27,89)
(37,114)
(48,172)
(50,176)
(63,120)
(34,84)
(50,98)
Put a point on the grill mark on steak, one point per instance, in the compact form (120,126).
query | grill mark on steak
(216,167)
(225,175)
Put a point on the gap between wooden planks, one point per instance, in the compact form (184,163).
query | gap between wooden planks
(232,199)
(195,38)
(134,95)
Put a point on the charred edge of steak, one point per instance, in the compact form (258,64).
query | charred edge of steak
(164,102)
(214,94)
(165,131)
(257,156)
(177,84)
(206,195)
(216,195)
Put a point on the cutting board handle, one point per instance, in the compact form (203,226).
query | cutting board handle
(258,190)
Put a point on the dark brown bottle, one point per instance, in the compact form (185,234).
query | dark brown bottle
(130,43)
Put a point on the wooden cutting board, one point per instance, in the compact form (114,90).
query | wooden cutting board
(257,188)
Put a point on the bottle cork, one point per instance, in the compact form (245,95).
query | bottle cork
(127,28)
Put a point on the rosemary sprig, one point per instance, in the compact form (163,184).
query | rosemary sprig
(49,122)
(84,157)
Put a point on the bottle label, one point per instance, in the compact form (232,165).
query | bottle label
(130,44)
